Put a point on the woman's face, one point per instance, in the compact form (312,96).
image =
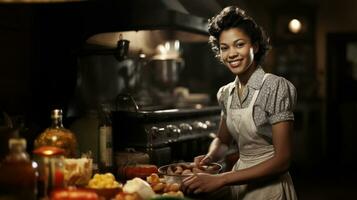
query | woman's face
(236,50)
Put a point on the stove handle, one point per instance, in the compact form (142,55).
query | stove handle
(126,102)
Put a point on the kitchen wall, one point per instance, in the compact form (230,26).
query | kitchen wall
(333,17)
(38,66)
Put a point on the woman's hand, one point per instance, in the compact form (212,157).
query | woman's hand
(201,183)
(202,160)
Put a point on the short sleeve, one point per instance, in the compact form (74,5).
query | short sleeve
(222,100)
(282,101)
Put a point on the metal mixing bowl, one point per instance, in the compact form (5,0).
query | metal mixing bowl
(177,178)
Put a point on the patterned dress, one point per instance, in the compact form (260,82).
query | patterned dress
(267,99)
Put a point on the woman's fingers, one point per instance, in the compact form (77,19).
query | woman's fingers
(197,191)
(192,184)
(187,182)
(197,160)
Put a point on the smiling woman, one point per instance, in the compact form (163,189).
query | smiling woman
(237,53)
(257,113)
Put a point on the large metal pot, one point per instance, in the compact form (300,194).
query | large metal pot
(165,73)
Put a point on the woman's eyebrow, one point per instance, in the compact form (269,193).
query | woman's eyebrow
(235,41)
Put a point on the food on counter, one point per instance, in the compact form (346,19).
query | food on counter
(105,185)
(190,168)
(176,172)
(153,187)
(153,179)
(106,180)
(170,198)
(160,185)
(77,171)
(73,194)
(139,186)
(106,193)
(173,194)
(139,170)
(128,196)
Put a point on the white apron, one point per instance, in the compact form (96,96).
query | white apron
(254,149)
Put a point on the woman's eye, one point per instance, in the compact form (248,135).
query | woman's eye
(223,48)
(240,44)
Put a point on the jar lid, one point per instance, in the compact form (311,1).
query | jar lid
(48,151)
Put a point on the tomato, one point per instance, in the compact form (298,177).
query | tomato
(73,194)
(141,171)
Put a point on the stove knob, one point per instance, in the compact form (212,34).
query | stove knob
(173,131)
(157,133)
(197,125)
(185,128)
(154,132)
(210,125)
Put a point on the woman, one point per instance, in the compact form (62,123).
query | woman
(257,113)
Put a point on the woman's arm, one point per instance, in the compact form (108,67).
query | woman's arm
(218,146)
(279,163)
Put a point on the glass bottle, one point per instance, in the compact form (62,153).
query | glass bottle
(58,136)
(50,162)
(18,174)
(105,160)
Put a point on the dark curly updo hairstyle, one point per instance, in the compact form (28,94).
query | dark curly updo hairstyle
(234,17)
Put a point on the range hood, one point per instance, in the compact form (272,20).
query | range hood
(146,23)
(135,15)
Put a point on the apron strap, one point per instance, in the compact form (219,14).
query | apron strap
(256,92)
(255,95)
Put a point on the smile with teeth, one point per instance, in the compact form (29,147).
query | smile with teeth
(234,63)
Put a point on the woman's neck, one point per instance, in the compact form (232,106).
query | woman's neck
(244,77)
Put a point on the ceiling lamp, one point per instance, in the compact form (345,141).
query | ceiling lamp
(295,26)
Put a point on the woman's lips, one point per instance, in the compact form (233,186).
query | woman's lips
(234,64)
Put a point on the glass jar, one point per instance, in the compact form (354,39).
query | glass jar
(50,168)
(57,135)
(18,174)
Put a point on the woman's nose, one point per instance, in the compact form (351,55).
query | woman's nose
(232,53)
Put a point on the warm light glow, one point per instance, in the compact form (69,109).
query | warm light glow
(295,26)
(48,152)
(168,50)
(177,45)
(142,55)
(198,106)
(54,138)
(162,49)
(34,165)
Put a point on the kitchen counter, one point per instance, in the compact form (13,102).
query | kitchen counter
(223,193)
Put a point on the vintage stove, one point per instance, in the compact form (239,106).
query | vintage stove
(166,135)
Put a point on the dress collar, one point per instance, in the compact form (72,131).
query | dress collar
(255,80)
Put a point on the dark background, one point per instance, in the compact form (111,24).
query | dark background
(38,72)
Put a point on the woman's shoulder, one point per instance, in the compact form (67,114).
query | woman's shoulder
(223,91)
(274,82)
